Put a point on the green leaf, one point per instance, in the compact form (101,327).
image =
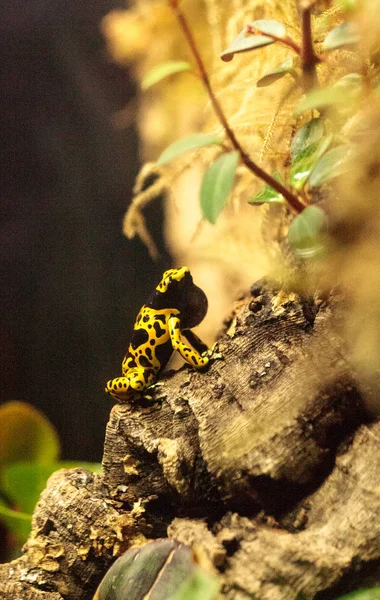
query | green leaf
(23,482)
(26,434)
(186,144)
(306,160)
(344,34)
(200,586)
(369,594)
(217,184)
(329,166)
(267,195)
(164,566)
(164,70)
(284,69)
(321,98)
(17,522)
(308,134)
(248,39)
(344,91)
(306,233)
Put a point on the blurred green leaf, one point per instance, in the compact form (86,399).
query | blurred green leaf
(26,434)
(284,69)
(329,166)
(347,5)
(17,522)
(344,34)
(267,195)
(200,586)
(308,134)
(351,83)
(93,467)
(307,232)
(186,144)
(306,161)
(217,184)
(370,594)
(321,98)
(343,92)
(249,40)
(23,482)
(164,70)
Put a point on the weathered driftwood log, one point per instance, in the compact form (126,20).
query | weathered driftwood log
(267,460)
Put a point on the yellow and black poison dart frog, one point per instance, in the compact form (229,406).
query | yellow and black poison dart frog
(176,305)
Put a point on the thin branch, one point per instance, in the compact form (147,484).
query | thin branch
(293,201)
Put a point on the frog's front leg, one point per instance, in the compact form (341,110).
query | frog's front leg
(189,354)
(196,342)
(135,380)
(213,353)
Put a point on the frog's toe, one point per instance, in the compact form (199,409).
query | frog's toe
(214,353)
(156,384)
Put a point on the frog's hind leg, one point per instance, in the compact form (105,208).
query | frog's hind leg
(196,342)
(118,388)
(141,378)
(190,354)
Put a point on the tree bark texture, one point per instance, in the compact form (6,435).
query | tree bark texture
(268,461)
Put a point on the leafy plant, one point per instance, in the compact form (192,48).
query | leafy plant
(307,232)
(370,594)
(267,195)
(164,70)
(29,454)
(26,434)
(201,586)
(187,144)
(317,154)
(256,35)
(170,568)
(345,34)
(217,184)
(285,68)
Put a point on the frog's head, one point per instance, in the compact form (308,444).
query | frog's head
(177,290)
(171,276)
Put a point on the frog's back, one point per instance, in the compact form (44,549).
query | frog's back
(150,346)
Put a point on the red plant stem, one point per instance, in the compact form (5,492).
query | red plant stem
(293,201)
(309,59)
(287,41)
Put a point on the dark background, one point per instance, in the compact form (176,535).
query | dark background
(71,283)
